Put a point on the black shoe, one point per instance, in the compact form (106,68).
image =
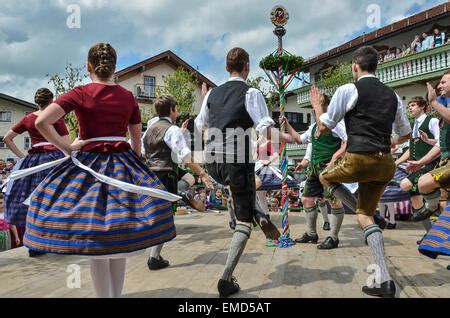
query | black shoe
(422,215)
(381,222)
(232,224)
(189,200)
(227,288)
(306,238)
(329,244)
(270,230)
(326,226)
(391,226)
(448,267)
(34,254)
(386,290)
(155,264)
(421,240)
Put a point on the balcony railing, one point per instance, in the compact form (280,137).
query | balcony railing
(421,66)
(148,92)
(296,147)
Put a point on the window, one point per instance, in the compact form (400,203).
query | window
(309,119)
(149,83)
(5,117)
(2,144)
(27,143)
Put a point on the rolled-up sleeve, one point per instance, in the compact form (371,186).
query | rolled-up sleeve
(340,131)
(175,140)
(306,137)
(402,126)
(434,128)
(343,101)
(257,109)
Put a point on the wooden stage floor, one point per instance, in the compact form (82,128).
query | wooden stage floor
(198,254)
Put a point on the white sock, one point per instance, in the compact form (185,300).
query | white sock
(382,208)
(261,197)
(391,209)
(155,252)
(117,272)
(100,274)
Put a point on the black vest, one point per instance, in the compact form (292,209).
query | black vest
(157,152)
(228,115)
(369,123)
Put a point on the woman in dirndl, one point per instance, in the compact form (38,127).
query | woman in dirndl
(103,201)
(41,152)
(437,241)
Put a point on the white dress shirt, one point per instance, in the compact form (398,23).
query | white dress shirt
(308,153)
(338,132)
(433,127)
(255,104)
(173,138)
(346,98)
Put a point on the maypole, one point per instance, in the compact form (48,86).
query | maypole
(281,68)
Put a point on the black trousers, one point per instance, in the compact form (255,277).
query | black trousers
(240,177)
(170,181)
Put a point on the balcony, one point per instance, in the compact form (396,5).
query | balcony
(419,67)
(146,93)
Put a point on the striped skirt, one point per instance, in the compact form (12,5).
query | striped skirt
(437,241)
(15,210)
(73,213)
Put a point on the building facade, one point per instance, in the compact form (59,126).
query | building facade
(144,79)
(12,110)
(407,75)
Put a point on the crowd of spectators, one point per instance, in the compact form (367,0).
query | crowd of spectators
(419,44)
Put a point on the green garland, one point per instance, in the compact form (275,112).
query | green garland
(289,63)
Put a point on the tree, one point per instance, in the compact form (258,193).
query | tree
(268,91)
(337,75)
(182,85)
(72,77)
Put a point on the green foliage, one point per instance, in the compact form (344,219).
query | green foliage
(72,77)
(289,63)
(268,90)
(182,85)
(338,75)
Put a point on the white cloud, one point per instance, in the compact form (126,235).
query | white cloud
(35,41)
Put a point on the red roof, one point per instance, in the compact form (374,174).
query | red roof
(169,56)
(390,30)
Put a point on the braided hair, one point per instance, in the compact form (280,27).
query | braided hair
(43,97)
(103,58)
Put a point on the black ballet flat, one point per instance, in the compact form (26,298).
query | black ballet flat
(155,264)
(34,254)
(391,226)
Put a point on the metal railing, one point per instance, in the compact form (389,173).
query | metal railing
(408,69)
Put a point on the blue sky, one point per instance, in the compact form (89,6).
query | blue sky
(34,38)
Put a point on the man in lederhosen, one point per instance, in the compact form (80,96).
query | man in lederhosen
(371,110)
(228,113)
